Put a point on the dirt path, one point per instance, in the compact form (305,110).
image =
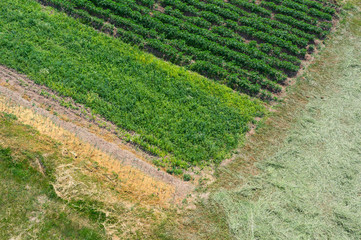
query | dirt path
(21,90)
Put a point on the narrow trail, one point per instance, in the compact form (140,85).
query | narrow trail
(21,90)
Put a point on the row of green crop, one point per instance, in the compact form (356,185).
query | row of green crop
(228,40)
(291,67)
(226,32)
(171,53)
(300,28)
(221,69)
(309,24)
(234,13)
(251,7)
(177,3)
(262,24)
(225,13)
(229,11)
(286,27)
(266,36)
(312,29)
(221,46)
(317,5)
(289,12)
(285,35)
(197,40)
(130,31)
(203,43)
(215,71)
(304,8)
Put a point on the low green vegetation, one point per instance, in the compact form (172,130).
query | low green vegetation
(172,113)
(248,46)
(30,209)
(47,191)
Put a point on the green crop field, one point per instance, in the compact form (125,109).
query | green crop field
(249,47)
(175,114)
(170,110)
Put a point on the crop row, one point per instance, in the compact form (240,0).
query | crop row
(242,18)
(166,50)
(311,11)
(231,14)
(289,11)
(228,39)
(235,13)
(257,23)
(193,32)
(221,68)
(316,5)
(172,32)
(226,32)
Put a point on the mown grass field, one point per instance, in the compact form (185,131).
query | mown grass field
(172,113)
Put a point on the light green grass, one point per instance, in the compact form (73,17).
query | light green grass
(171,110)
(68,201)
(310,188)
(29,207)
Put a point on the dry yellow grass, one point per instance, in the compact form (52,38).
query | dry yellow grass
(129,182)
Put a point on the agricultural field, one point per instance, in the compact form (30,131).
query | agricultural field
(250,47)
(180,119)
(183,118)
